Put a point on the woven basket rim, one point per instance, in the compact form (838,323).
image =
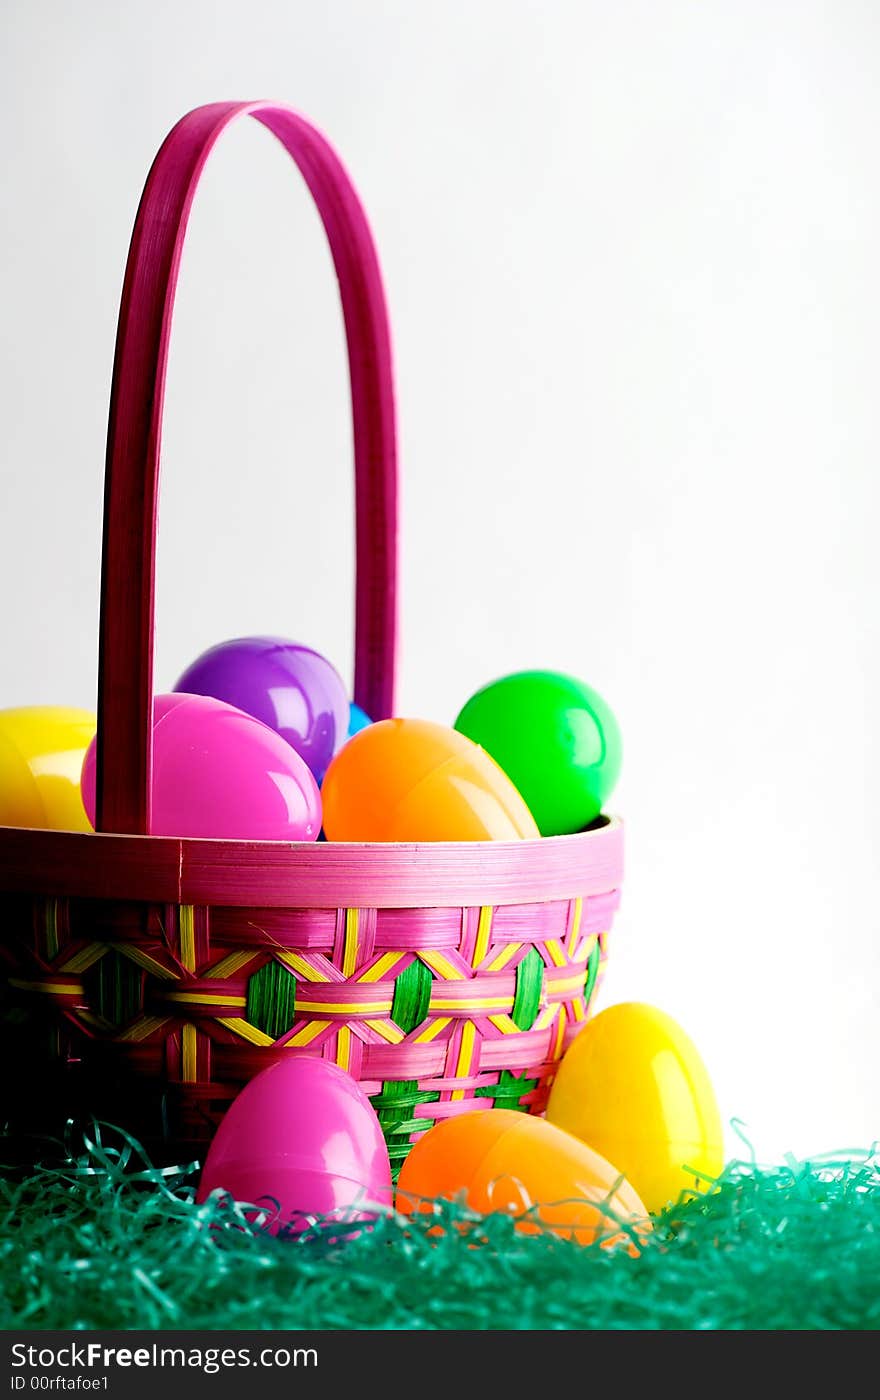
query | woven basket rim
(311,875)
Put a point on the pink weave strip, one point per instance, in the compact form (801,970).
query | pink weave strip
(125,670)
(316,875)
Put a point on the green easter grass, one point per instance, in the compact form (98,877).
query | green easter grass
(101,1238)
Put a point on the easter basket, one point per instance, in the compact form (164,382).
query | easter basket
(145,979)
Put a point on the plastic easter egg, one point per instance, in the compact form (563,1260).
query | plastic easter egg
(358,719)
(218,772)
(301,1138)
(291,688)
(414,780)
(42,748)
(633,1086)
(556,739)
(501,1160)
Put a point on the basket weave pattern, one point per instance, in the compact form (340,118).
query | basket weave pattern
(444,976)
(435,1011)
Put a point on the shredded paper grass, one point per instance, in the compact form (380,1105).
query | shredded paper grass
(98,1236)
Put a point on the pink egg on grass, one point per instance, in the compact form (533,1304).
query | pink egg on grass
(290,687)
(221,773)
(301,1139)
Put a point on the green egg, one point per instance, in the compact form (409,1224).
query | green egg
(556,739)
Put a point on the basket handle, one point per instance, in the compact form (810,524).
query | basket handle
(125,660)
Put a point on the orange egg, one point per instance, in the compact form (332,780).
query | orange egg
(501,1160)
(415,780)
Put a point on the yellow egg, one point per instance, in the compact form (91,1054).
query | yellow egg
(633,1087)
(42,748)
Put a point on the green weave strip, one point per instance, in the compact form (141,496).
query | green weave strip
(412,995)
(527,998)
(271,999)
(394,1109)
(592,972)
(115,988)
(509,1090)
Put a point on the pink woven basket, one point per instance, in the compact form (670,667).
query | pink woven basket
(445,977)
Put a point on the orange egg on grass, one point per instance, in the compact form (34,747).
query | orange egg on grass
(501,1160)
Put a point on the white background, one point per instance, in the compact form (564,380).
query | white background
(630,253)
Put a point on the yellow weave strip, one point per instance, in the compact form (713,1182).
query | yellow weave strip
(582,953)
(560,1034)
(380,969)
(188,1036)
(466,1003)
(569,984)
(439,964)
(484,929)
(299,964)
(503,958)
(505,1025)
(432,1030)
(84,958)
(90,1018)
(63,988)
(307,1034)
(143,1028)
(545,1018)
(350,947)
(188,1054)
(343,1048)
(558,958)
(187,925)
(575,922)
(388,1031)
(345,1008)
(232,963)
(245,1030)
(465,1056)
(204,999)
(579,1009)
(144,960)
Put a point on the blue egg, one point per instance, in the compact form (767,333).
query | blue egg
(358,719)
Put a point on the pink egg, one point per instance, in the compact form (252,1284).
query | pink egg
(218,772)
(300,1139)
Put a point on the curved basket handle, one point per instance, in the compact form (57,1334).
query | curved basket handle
(125,663)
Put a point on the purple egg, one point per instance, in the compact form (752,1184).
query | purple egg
(291,688)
